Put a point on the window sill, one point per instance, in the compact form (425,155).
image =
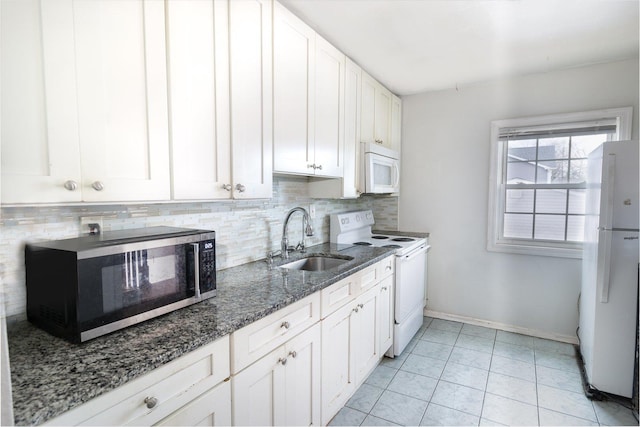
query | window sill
(535,249)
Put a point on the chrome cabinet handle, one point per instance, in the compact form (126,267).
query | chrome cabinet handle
(379,141)
(384,288)
(98,186)
(226,187)
(282,361)
(630,238)
(71,185)
(355,309)
(361,305)
(293,354)
(311,166)
(319,167)
(387,268)
(151,402)
(241,188)
(285,325)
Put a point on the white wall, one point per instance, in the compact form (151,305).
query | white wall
(445,176)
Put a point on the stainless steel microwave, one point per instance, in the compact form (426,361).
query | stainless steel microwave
(82,288)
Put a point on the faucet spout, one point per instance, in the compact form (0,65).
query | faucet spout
(307,229)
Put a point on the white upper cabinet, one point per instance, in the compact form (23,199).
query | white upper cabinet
(251,84)
(308,99)
(293,92)
(329,109)
(349,185)
(396,123)
(198,52)
(376,112)
(220,94)
(121,85)
(87,87)
(40,147)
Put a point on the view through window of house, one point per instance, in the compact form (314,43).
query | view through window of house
(545,186)
(538,179)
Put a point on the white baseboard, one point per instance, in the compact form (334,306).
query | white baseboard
(503,327)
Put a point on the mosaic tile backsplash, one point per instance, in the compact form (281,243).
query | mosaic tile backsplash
(245,229)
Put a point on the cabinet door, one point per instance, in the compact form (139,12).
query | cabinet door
(338,370)
(293,93)
(197,37)
(396,123)
(213,408)
(302,384)
(352,182)
(258,391)
(250,47)
(382,116)
(366,345)
(385,315)
(122,99)
(368,109)
(329,109)
(40,146)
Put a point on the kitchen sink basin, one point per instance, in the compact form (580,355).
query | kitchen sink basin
(317,263)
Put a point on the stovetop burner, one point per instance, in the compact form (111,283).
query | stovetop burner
(392,246)
(403,239)
(380,237)
(362,243)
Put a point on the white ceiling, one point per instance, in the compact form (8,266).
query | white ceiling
(414,46)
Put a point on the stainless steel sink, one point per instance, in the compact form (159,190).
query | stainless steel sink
(317,263)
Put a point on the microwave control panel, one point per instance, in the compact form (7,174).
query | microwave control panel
(207,266)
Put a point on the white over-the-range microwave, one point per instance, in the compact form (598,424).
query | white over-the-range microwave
(381,169)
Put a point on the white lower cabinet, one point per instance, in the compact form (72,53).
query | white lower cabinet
(385,314)
(283,387)
(355,334)
(213,408)
(167,395)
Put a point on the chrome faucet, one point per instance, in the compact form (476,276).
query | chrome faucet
(307,230)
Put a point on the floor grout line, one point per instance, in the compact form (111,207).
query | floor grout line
(438,381)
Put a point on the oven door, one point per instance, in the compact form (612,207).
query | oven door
(382,174)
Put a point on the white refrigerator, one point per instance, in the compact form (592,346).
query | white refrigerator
(609,296)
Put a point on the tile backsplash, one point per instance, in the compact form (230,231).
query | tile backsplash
(245,229)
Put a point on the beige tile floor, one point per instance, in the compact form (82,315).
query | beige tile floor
(458,374)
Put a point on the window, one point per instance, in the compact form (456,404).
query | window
(538,174)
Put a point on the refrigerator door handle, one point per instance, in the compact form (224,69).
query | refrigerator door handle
(635,230)
(604,269)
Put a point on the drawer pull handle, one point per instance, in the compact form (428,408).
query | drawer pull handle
(285,325)
(387,268)
(282,361)
(355,309)
(151,402)
(361,305)
(293,354)
(384,288)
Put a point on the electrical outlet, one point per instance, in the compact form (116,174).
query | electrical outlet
(86,220)
(312,211)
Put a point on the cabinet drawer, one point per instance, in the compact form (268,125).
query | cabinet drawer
(386,267)
(366,279)
(172,386)
(259,338)
(338,294)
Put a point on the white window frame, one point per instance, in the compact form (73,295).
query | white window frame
(495,241)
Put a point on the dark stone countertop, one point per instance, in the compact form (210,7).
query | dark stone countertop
(402,233)
(50,376)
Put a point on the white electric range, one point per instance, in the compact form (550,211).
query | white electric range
(411,268)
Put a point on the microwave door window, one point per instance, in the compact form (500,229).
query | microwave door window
(382,174)
(133,282)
